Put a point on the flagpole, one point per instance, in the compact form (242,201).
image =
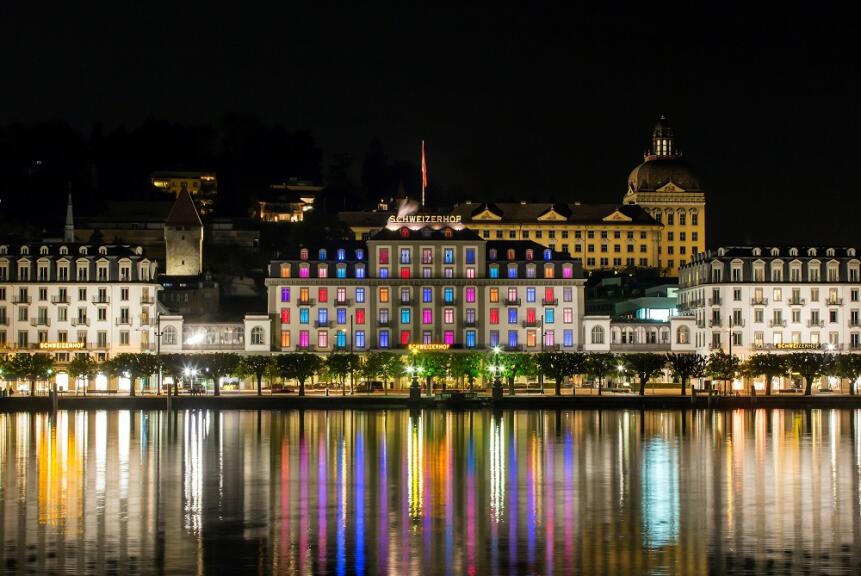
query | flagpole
(424,173)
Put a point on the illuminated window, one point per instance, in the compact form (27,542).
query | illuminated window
(494,338)
(341,315)
(549,271)
(323,271)
(494,294)
(427,295)
(285,270)
(530,294)
(405,272)
(512,315)
(384,339)
(512,270)
(304,339)
(341,271)
(405,337)
(285,315)
(341,339)
(304,295)
(494,270)
(323,294)
(448,315)
(470,339)
(470,294)
(405,232)
(448,295)
(512,338)
(448,256)
(494,315)
(285,338)
(567,271)
(405,315)
(341,254)
(322,254)
(470,255)
(567,315)
(304,271)
(384,255)
(285,294)
(384,294)
(427,256)
(303,315)
(360,338)
(303,254)
(530,254)
(405,255)
(568,338)
(360,270)
(549,315)
(323,338)
(427,316)
(384,272)
(530,338)
(360,295)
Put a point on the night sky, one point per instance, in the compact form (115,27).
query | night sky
(513,102)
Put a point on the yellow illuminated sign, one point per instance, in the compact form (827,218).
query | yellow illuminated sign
(60,345)
(427,347)
(425,219)
(797,346)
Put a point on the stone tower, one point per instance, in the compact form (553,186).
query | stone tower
(183,238)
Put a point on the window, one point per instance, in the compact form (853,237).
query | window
(512,338)
(683,335)
(494,271)
(494,315)
(567,315)
(597,335)
(470,294)
(405,337)
(304,315)
(405,255)
(405,315)
(341,315)
(512,270)
(448,256)
(494,338)
(383,339)
(323,295)
(168,335)
(470,255)
(322,316)
(323,338)
(384,295)
(257,335)
(530,294)
(494,295)
(470,339)
(549,315)
(384,255)
(304,339)
(285,315)
(568,338)
(360,295)
(360,338)
(285,294)
(427,316)
(448,295)
(512,315)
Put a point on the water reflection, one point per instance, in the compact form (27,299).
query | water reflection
(431,492)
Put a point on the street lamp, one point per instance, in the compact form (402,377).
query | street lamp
(414,372)
(495,370)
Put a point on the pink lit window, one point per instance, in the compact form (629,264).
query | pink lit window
(470,294)
(303,339)
(449,337)
(568,272)
(304,271)
(427,316)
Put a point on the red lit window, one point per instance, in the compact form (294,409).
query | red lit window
(494,315)
(285,315)
(405,272)
(360,315)
(323,294)
(405,337)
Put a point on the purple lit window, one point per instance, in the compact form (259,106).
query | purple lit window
(470,294)
(449,337)
(285,294)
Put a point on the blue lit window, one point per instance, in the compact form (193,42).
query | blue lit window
(360,338)
(340,254)
(322,315)
(384,338)
(360,295)
(360,254)
(549,315)
(470,338)
(341,339)
(405,315)
(384,272)
(470,255)
(303,315)
(360,271)
(448,295)
(512,315)
(512,270)
(427,295)
(494,271)
(492,254)
(494,338)
(512,338)
(322,255)
(530,294)
(341,271)
(568,338)
(342,315)
(548,254)
(448,256)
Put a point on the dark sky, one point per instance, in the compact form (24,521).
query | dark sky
(513,101)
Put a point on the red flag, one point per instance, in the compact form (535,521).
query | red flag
(424,168)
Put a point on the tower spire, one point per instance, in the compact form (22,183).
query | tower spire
(69,232)
(663,140)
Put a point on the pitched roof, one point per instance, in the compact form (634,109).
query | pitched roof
(522,212)
(183,212)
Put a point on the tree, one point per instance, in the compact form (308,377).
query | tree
(722,366)
(768,365)
(219,365)
(433,365)
(254,366)
(299,367)
(600,365)
(517,364)
(174,365)
(391,367)
(83,366)
(686,366)
(467,365)
(371,367)
(31,367)
(848,366)
(810,365)
(132,366)
(559,365)
(337,366)
(645,365)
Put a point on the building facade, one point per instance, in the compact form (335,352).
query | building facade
(774,298)
(428,285)
(666,187)
(67,298)
(203,187)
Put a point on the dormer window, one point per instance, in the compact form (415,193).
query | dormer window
(811,251)
(43,250)
(793,251)
(775,251)
(321,255)
(303,254)
(492,254)
(103,250)
(25,250)
(405,232)
(829,252)
(82,250)
(529,254)
(510,254)
(548,254)
(360,254)
(4,250)
(448,233)
(757,251)
(850,252)
(64,251)
(341,254)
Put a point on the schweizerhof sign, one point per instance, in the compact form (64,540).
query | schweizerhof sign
(425,219)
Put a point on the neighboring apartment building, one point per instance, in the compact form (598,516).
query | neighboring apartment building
(433,285)
(68,298)
(774,298)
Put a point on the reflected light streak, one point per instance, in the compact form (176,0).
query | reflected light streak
(415,459)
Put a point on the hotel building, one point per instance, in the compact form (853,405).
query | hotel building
(429,283)
(660,224)
(773,298)
(65,298)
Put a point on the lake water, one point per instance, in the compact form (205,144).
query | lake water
(367,492)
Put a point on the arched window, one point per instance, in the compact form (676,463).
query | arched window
(530,254)
(548,254)
(322,254)
(43,250)
(341,254)
(405,232)
(64,251)
(168,335)
(683,335)
(448,233)
(597,335)
(303,254)
(257,335)
(510,254)
(360,254)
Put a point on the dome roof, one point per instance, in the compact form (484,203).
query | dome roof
(656,172)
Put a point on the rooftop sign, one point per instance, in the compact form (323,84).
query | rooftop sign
(427,347)
(61,345)
(425,219)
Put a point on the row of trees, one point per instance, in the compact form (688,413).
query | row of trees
(464,367)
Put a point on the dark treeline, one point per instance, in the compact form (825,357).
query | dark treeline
(41,162)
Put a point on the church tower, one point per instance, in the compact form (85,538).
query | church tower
(183,238)
(666,187)
(69,231)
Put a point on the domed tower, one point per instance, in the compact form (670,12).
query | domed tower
(666,187)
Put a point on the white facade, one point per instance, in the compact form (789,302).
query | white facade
(250,336)
(65,299)
(605,334)
(780,299)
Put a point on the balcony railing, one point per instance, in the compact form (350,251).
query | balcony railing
(384,323)
(512,301)
(759,301)
(815,323)
(736,323)
(123,321)
(21,299)
(145,321)
(714,323)
(777,323)
(60,299)
(796,301)
(305,302)
(470,323)
(101,300)
(326,324)
(343,302)
(147,300)
(640,347)
(515,348)
(530,323)
(406,301)
(715,301)
(308,348)
(77,321)
(834,301)
(549,301)
(40,321)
